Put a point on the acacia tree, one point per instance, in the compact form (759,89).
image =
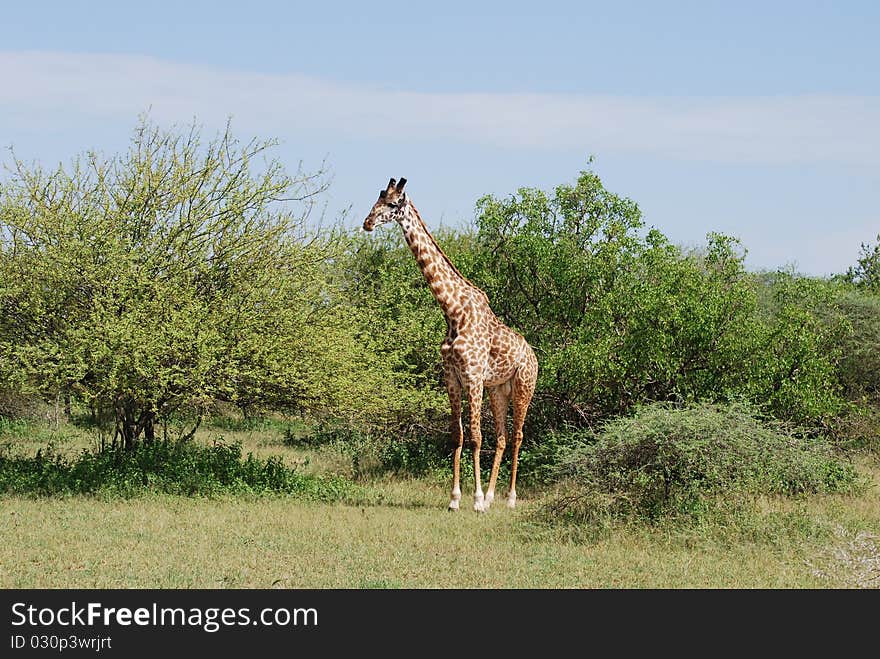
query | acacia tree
(153,282)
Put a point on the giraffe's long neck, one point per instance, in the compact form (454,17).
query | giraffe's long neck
(447,284)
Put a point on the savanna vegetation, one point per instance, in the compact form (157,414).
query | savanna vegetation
(185,353)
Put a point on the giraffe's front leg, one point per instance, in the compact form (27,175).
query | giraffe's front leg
(475,404)
(453,389)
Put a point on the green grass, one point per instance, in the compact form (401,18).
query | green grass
(396,533)
(173,542)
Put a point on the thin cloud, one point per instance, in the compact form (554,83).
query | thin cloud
(783,129)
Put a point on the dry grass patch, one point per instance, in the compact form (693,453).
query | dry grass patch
(852,562)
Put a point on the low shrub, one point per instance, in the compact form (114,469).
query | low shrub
(247,424)
(858,427)
(19,405)
(540,458)
(14,428)
(182,468)
(374,452)
(664,462)
(859,364)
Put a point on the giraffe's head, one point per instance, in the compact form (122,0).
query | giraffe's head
(389,206)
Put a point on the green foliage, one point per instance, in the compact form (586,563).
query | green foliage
(14,427)
(373,452)
(857,427)
(412,455)
(796,377)
(17,404)
(183,468)
(621,317)
(824,354)
(546,260)
(228,422)
(540,460)
(401,325)
(664,462)
(858,364)
(150,284)
(866,273)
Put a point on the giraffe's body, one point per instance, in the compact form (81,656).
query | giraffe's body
(479,352)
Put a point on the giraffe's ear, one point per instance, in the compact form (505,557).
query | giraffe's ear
(400,184)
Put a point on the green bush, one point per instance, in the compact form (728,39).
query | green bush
(795,373)
(859,362)
(181,468)
(540,458)
(620,317)
(857,427)
(664,462)
(401,325)
(374,453)
(247,424)
(16,404)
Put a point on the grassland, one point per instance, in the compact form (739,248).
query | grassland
(399,535)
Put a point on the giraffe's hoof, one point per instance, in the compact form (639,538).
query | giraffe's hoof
(511,500)
(453,506)
(490,497)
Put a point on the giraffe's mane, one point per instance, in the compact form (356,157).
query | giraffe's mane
(445,257)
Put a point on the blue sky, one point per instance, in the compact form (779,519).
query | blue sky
(757,119)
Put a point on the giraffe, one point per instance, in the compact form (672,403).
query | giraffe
(479,351)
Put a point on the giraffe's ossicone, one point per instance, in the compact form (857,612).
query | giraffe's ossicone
(479,351)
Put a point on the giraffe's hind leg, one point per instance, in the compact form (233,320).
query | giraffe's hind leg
(499,399)
(523,390)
